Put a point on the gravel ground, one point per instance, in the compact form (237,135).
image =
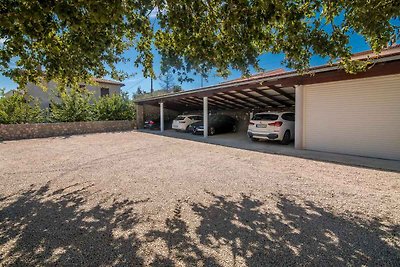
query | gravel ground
(139,199)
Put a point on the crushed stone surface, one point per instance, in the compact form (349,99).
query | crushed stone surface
(136,199)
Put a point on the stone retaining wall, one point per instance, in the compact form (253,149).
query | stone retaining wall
(40,130)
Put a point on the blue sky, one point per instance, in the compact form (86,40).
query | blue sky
(267,62)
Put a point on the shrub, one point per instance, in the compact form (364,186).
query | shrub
(19,108)
(115,107)
(73,105)
(70,106)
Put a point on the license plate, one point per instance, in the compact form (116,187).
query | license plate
(261,125)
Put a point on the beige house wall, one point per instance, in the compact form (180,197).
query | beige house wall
(44,96)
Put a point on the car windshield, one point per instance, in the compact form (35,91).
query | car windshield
(265,117)
(216,118)
(180,118)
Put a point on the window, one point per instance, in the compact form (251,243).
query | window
(288,116)
(196,118)
(216,118)
(104,91)
(180,118)
(265,117)
(82,87)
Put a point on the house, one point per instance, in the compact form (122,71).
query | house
(104,87)
(337,112)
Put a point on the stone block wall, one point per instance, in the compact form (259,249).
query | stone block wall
(41,130)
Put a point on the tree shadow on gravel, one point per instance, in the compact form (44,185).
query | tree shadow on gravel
(180,244)
(296,235)
(43,227)
(249,233)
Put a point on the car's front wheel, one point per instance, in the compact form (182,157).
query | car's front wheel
(286,138)
(212,131)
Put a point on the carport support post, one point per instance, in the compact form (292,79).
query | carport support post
(205,116)
(299,117)
(161,116)
(139,116)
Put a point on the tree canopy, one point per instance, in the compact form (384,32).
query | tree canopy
(74,40)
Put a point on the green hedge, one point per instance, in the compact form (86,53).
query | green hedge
(115,107)
(19,108)
(73,106)
(76,105)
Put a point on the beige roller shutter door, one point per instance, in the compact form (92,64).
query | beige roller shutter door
(357,117)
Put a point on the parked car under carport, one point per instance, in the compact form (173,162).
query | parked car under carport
(217,124)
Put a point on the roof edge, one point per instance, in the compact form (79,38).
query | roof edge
(290,74)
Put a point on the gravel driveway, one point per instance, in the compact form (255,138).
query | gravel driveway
(133,199)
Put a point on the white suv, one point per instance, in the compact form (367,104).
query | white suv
(182,122)
(272,126)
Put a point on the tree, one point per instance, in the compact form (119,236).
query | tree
(73,40)
(74,105)
(139,90)
(19,108)
(167,81)
(115,107)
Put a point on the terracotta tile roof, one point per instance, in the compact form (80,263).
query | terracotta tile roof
(388,55)
(258,75)
(394,49)
(101,80)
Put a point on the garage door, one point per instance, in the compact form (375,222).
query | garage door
(357,117)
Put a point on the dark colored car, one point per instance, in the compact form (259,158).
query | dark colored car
(216,124)
(154,124)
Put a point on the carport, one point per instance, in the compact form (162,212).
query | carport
(279,90)
(250,94)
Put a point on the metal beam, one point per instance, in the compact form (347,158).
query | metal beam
(217,102)
(235,100)
(280,91)
(200,101)
(231,102)
(273,98)
(245,100)
(269,103)
(186,102)
(193,102)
